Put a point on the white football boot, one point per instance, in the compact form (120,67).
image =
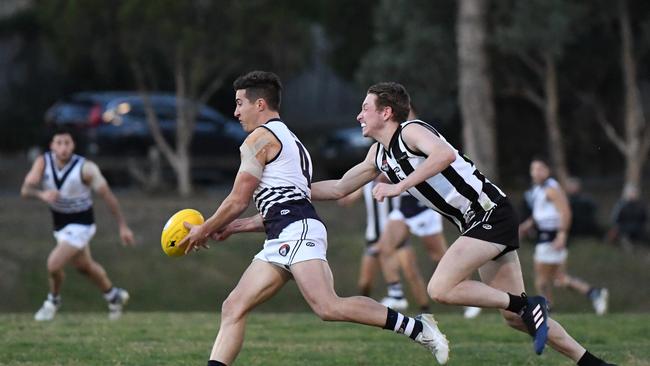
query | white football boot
(601,301)
(395,303)
(432,338)
(471,312)
(47,311)
(116,305)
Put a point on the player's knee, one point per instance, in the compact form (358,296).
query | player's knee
(54,268)
(438,294)
(326,310)
(232,308)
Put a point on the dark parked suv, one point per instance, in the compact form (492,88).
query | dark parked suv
(114,124)
(342,149)
(125,129)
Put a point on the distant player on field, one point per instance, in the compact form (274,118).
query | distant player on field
(65,182)
(403,257)
(551,219)
(275,172)
(417,159)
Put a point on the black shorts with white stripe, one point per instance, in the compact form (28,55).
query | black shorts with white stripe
(498,225)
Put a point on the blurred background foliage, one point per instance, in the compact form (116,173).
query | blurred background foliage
(57,47)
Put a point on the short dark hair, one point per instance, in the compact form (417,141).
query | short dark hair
(63,130)
(393,95)
(261,84)
(542,159)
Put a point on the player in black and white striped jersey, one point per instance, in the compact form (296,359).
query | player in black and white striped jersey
(276,172)
(417,159)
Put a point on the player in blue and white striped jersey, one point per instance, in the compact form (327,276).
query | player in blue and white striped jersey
(276,172)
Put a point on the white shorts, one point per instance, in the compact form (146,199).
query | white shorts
(300,241)
(76,235)
(425,223)
(545,253)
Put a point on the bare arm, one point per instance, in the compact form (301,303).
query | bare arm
(93,177)
(350,198)
(250,224)
(32,182)
(352,180)
(261,146)
(439,156)
(559,199)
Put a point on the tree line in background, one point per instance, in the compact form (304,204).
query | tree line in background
(566,78)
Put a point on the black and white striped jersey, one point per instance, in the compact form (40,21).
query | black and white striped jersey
(376,212)
(458,192)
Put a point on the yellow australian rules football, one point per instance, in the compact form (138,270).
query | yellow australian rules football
(174,231)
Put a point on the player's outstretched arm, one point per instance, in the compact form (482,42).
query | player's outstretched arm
(439,156)
(251,224)
(352,180)
(93,177)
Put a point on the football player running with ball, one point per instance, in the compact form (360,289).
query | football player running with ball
(65,181)
(275,172)
(417,159)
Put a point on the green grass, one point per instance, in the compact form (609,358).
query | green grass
(159,338)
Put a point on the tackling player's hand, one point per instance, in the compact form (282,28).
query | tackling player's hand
(222,234)
(126,235)
(194,239)
(383,190)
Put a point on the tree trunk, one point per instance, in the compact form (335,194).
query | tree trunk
(475,87)
(184,131)
(635,134)
(551,116)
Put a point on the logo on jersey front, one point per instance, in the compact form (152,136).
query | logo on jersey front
(284,250)
(384,165)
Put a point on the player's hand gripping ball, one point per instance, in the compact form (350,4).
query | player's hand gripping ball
(174,231)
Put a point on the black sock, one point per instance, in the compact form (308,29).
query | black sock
(216,363)
(516,303)
(55,299)
(589,360)
(593,291)
(400,323)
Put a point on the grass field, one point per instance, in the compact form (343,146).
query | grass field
(173,320)
(299,339)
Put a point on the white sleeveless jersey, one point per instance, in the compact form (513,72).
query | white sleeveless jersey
(545,214)
(287,177)
(376,212)
(458,192)
(74,195)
